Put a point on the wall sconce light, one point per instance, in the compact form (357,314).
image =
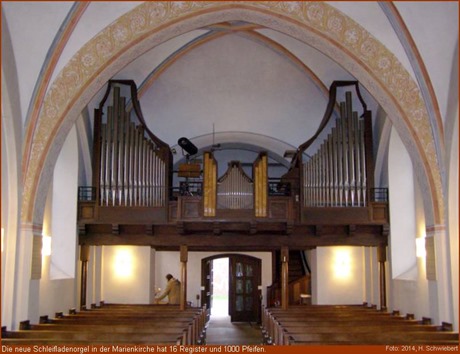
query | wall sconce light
(46,246)
(420,250)
(123,264)
(342,264)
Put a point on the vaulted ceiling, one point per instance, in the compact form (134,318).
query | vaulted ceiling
(246,86)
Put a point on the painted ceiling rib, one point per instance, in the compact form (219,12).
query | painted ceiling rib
(422,76)
(65,31)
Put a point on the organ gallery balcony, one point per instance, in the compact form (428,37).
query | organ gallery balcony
(327,196)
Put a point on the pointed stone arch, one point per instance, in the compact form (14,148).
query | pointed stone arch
(151,23)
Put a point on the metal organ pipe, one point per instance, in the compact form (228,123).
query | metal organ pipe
(121,151)
(335,175)
(131,169)
(362,155)
(103,163)
(126,137)
(132,146)
(235,189)
(330,167)
(356,163)
(335,166)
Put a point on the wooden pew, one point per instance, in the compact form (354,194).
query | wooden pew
(376,338)
(125,324)
(332,325)
(286,334)
(32,341)
(95,336)
(150,314)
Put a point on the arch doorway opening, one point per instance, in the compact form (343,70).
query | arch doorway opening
(231,286)
(220,289)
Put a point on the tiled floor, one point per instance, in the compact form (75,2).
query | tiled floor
(221,332)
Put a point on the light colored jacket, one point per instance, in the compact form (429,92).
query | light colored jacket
(172,291)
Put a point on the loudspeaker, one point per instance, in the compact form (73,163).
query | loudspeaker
(188,146)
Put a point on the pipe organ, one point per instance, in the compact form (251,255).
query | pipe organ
(338,173)
(328,188)
(321,201)
(235,189)
(131,168)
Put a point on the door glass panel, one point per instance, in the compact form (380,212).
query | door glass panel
(239,286)
(244,305)
(239,303)
(239,270)
(249,271)
(248,303)
(248,286)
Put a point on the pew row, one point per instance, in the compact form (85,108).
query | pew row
(124,324)
(350,325)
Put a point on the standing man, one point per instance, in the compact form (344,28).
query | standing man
(172,291)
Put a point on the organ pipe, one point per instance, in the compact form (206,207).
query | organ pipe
(131,163)
(336,175)
(235,189)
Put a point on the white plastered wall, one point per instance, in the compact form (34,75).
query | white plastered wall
(338,275)
(451,130)
(409,291)
(145,271)
(58,285)
(412,295)
(453,219)
(402,212)
(11,174)
(64,211)
(125,274)
(169,262)
(371,274)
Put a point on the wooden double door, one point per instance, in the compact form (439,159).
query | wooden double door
(244,280)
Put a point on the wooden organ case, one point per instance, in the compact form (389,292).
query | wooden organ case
(337,180)
(131,166)
(326,197)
